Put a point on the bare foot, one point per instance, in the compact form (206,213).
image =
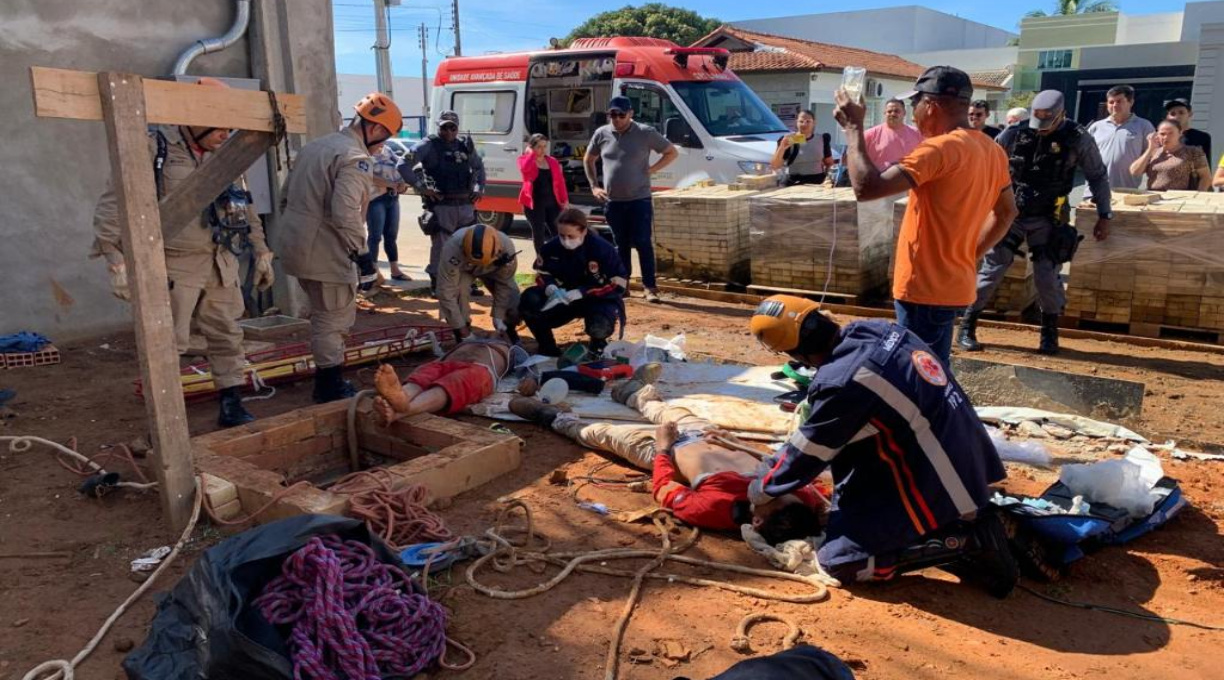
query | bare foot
(389,388)
(384,414)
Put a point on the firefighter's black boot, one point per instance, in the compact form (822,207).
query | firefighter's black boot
(967,337)
(330,385)
(1049,334)
(232,411)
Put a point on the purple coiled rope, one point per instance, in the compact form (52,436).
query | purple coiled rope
(352,615)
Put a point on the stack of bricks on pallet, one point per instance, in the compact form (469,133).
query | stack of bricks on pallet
(1163,264)
(702,233)
(793,231)
(1016,292)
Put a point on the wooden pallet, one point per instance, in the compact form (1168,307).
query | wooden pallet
(701,233)
(1162,266)
(1145,330)
(839,298)
(803,236)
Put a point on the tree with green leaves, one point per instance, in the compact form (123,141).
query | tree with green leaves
(1069,7)
(652,20)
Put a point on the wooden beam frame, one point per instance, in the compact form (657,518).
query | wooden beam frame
(123,111)
(61,93)
(127,104)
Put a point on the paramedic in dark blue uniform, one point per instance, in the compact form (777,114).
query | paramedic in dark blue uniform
(579,275)
(911,461)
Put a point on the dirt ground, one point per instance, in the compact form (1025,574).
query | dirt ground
(921,626)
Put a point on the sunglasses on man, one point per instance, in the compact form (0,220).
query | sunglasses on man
(617,114)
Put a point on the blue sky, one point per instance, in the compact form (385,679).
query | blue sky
(512,25)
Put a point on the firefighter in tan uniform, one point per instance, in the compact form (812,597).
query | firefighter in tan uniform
(322,235)
(201,260)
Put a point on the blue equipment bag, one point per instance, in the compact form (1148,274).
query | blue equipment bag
(1067,538)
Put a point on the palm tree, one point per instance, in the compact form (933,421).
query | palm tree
(1066,7)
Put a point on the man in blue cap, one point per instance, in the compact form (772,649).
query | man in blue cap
(625,148)
(1044,153)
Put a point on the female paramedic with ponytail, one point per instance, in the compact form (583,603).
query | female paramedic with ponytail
(579,275)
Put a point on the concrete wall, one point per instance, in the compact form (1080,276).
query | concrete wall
(985,59)
(1208,81)
(1197,15)
(1040,33)
(1138,56)
(890,30)
(54,170)
(1149,28)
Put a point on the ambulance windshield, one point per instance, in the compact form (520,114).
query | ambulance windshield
(728,107)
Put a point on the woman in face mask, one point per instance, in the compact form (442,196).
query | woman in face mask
(579,275)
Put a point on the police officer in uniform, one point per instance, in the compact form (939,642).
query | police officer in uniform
(911,461)
(322,237)
(1044,152)
(450,177)
(481,253)
(201,260)
(578,276)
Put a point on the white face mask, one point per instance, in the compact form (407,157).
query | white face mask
(571,243)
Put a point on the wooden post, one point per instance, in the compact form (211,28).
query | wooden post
(124,113)
(188,199)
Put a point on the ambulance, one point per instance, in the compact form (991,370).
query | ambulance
(720,126)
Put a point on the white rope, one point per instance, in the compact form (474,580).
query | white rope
(23,443)
(64,669)
(258,384)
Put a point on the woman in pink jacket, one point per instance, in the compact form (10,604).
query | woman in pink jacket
(543,195)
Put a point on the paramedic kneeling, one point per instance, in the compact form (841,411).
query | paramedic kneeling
(579,275)
(911,462)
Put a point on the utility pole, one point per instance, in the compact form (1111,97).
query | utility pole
(455,22)
(425,73)
(382,47)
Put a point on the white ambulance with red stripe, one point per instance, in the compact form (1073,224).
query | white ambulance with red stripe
(720,126)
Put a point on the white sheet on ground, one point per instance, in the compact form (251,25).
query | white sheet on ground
(736,398)
(1013,415)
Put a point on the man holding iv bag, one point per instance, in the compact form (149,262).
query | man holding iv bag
(960,198)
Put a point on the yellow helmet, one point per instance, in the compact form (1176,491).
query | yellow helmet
(481,245)
(778,319)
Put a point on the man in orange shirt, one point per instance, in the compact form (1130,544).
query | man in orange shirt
(960,202)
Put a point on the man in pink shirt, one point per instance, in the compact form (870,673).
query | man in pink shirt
(891,141)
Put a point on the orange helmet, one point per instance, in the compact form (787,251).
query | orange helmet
(209,81)
(778,319)
(481,245)
(377,107)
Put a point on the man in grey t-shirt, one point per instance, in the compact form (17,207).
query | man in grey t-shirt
(1122,138)
(625,148)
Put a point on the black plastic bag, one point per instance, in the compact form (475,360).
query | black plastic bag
(206,628)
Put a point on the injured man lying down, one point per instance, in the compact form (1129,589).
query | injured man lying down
(698,472)
(463,376)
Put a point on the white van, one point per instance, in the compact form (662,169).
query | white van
(720,126)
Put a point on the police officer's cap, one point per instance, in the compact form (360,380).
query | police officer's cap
(1046,100)
(448,118)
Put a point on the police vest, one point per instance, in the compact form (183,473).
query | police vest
(1043,167)
(450,165)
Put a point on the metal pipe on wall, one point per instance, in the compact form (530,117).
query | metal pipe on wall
(242,19)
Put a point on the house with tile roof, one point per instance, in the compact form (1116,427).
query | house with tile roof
(791,74)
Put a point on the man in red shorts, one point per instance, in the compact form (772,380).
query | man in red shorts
(464,376)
